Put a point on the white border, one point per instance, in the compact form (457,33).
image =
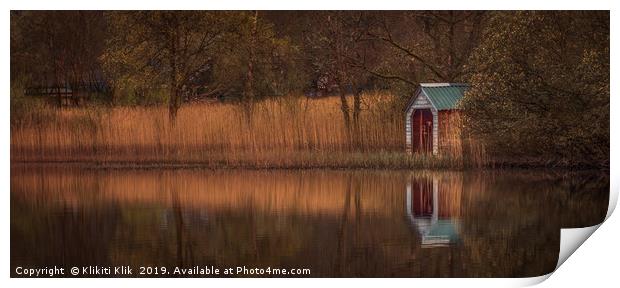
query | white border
(309,5)
(594,258)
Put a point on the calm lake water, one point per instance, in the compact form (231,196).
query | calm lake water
(335,223)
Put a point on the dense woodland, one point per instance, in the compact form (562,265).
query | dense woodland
(306,88)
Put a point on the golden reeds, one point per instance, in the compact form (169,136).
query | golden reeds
(286,132)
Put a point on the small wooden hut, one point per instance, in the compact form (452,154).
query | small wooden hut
(431,115)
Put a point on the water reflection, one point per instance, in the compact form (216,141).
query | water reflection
(337,223)
(433,211)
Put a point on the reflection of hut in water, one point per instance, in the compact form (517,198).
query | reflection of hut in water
(433,207)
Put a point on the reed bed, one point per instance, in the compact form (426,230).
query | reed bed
(291,132)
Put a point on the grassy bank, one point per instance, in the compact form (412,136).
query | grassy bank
(293,132)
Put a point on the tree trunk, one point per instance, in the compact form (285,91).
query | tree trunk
(248,101)
(342,75)
(357,110)
(175,94)
(344,107)
(173,104)
(451,49)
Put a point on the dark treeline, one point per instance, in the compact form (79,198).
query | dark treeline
(540,80)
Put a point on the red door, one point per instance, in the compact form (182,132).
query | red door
(422,120)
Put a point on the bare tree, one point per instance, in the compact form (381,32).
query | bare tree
(169,47)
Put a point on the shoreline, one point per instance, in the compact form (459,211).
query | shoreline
(148,165)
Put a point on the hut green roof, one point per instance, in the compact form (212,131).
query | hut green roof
(444,96)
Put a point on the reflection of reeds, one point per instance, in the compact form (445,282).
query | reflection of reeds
(450,194)
(309,192)
(288,132)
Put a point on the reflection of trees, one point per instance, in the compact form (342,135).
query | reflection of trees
(338,223)
(338,265)
(519,217)
(584,198)
(185,255)
(53,231)
(59,235)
